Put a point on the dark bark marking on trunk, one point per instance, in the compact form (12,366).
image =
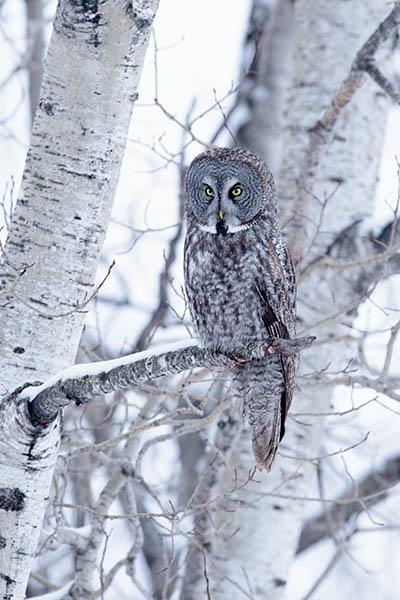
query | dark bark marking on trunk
(37,301)
(9,581)
(76,173)
(134,97)
(32,458)
(279,582)
(79,18)
(142,21)
(47,107)
(3,542)
(89,6)
(12,499)
(128,8)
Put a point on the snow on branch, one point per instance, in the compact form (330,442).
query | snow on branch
(81,383)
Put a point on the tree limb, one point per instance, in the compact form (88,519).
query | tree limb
(373,488)
(81,383)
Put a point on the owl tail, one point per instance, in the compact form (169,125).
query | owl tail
(259,386)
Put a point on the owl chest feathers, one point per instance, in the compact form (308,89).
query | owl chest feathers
(221,275)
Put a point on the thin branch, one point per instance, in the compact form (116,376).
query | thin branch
(389,351)
(79,307)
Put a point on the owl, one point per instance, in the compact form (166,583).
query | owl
(240,282)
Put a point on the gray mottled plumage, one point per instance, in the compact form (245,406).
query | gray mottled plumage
(240,281)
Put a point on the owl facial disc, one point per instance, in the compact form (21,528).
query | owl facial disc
(224,196)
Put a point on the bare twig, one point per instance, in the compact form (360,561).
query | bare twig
(80,306)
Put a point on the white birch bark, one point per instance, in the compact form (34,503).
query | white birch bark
(49,261)
(251,548)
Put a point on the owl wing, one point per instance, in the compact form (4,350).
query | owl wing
(277,292)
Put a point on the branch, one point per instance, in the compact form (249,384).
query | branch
(369,491)
(158,316)
(81,383)
(321,133)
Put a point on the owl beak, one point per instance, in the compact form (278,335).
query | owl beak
(220,226)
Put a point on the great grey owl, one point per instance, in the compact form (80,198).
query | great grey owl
(240,282)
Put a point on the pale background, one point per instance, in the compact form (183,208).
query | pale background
(199,57)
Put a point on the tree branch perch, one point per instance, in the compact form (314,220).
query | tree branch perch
(82,383)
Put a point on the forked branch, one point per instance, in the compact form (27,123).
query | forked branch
(321,133)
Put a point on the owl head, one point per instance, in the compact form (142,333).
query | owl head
(228,190)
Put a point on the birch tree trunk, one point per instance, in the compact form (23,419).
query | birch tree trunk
(49,262)
(250,546)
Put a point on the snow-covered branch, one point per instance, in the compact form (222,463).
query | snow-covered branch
(81,383)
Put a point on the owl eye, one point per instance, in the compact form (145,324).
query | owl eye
(209,192)
(235,191)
